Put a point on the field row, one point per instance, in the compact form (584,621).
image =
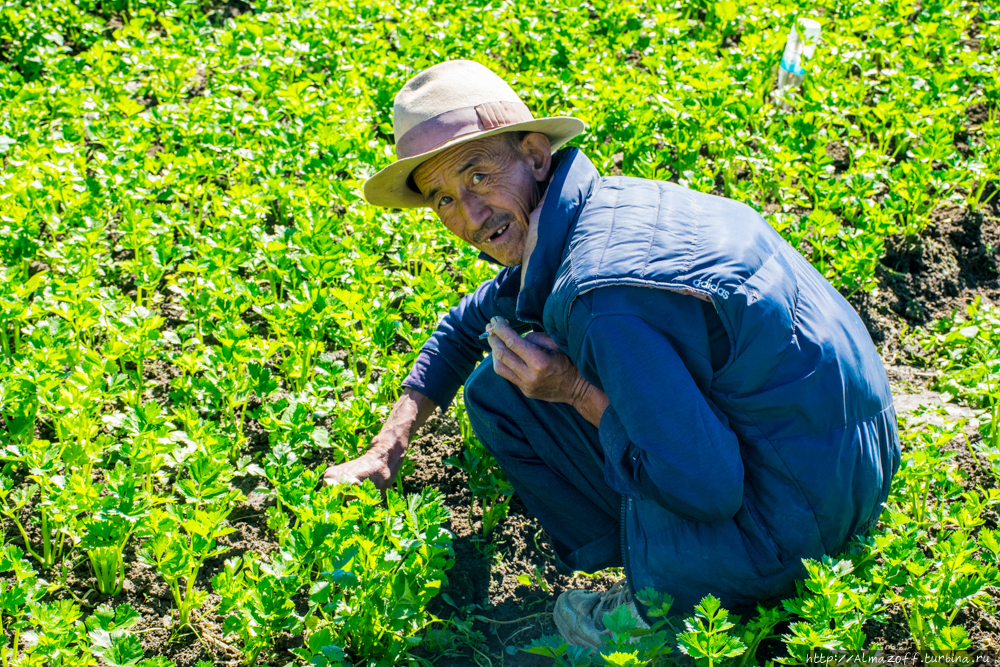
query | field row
(196,305)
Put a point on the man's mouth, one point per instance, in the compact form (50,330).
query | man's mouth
(498,234)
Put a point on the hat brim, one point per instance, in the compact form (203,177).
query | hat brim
(389,187)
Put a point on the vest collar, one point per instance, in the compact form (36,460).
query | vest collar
(573,179)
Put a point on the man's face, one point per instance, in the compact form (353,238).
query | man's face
(484,191)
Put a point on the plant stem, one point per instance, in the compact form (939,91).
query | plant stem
(968,444)
(46,540)
(24,536)
(149,474)
(176,589)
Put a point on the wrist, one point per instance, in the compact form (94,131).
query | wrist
(591,404)
(388,448)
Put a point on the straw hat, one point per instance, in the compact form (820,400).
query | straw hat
(448,104)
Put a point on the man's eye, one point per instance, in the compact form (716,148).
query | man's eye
(443,201)
(476,178)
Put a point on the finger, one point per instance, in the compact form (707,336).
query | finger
(526,351)
(506,373)
(542,339)
(503,355)
(342,478)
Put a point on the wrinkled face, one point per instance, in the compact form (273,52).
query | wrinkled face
(484,191)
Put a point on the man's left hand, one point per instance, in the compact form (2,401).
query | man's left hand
(541,370)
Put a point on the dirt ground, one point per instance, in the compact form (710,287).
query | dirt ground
(922,279)
(956,260)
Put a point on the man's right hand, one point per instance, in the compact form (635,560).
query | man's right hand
(385,454)
(367,466)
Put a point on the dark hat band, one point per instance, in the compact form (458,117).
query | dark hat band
(438,130)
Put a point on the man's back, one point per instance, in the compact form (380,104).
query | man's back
(801,389)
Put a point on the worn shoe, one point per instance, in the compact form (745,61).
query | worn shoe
(579,614)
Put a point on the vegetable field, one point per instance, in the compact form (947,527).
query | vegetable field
(199,312)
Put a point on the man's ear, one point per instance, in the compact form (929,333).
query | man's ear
(538,151)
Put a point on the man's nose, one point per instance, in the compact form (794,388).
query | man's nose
(475,209)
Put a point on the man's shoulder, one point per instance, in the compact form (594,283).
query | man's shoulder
(627,191)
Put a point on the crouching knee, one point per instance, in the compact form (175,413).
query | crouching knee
(487,397)
(484,391)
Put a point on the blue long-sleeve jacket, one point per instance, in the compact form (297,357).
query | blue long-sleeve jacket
(617,366)
(750,421)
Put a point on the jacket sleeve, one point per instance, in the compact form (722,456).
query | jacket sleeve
(662,438)
(449,356)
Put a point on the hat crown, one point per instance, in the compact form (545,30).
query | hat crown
(455,84)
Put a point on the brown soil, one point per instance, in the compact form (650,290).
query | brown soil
(954,260)
(484,575)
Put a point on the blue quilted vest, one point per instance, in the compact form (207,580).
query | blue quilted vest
(803,389)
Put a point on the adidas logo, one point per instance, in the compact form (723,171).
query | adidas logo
(715,289)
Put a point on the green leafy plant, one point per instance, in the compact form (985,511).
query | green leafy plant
(149,442)
(109,637)
(707,637)
(833,606)
(58,635)
(180,539)
(963,350)
(382,566)
(939,587)
(257,601)
(55,501)
(117,516)
(16,596)
(486,481)
(320,650)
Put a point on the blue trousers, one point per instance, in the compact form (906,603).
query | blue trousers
(554,459)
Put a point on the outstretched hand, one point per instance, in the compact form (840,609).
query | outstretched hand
(366,466)
(385,454)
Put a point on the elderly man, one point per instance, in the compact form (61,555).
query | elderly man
(693,402)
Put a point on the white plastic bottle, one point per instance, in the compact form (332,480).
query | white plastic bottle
(798,49)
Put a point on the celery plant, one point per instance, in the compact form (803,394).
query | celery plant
(54,503)
(16,597)
(380,566)
(118,516)
(486,481)
(181,539)
(257,600)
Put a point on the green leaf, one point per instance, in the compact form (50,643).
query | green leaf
(619,659)
(620,620)
(952,638)
(969,332)
(710,607)
(118,650)
(726,11)
(551,646)
(157,661)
